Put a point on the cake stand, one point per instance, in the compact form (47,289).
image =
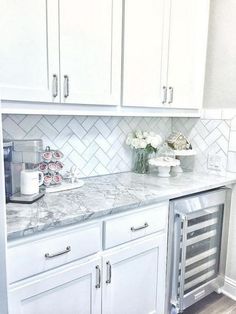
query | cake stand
(164,164)
(182,153)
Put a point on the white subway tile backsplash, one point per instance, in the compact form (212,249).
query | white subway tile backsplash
(206,136)
(224,128)
(29,122)
(63,137)
(212,136)
(223,144)
(12,128)
(212,125)
(89,122)
(47,128)
(77,144)
(76,127)
(61,122)
(17,118)
(35,132)
(95,144)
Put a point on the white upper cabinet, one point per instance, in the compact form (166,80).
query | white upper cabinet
(187,53)
(90,51)
(89,34)
(29,60)
(165,45)
(143,65)
(134,53)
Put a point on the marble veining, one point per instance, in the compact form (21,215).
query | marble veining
(104,195)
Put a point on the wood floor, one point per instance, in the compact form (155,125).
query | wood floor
(213,304)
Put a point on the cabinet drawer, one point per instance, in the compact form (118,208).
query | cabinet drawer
(34,257)
(132,226)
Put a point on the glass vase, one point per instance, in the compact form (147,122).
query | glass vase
(140,160)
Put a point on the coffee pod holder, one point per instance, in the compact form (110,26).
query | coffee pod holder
(51,167)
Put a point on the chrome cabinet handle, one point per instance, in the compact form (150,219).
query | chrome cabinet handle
(98,277)
(48,255)
(164,94)
(55,86)
(66,86)
(108,272)
(171,95)
(133,229)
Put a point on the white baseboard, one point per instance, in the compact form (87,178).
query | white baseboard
(229,288)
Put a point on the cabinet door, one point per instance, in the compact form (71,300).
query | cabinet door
(134,278)
(144,66)
(90,51)
(187,52)
(69,290)
(29,56)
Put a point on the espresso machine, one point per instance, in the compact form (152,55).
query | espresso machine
(19,155)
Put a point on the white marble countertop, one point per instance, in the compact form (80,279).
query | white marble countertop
(105,195)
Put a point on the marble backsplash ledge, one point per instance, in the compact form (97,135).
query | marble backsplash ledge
(95,144)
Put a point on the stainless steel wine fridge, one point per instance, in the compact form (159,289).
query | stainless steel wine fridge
(198,246)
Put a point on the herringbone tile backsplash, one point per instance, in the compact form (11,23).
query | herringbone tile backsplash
(95,144)
(207,136)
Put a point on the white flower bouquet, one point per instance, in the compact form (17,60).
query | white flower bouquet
(144,140)
(143,144)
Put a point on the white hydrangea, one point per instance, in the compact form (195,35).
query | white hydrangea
(149,139)
(142,143)
(143,140)
(139,134)
(135,143)
(156,141)
(129,139)
(145,134)
(152,134)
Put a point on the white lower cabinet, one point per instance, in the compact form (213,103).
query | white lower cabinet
(69,290)
(134,277)
(128,278)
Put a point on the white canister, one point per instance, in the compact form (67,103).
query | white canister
(30,181)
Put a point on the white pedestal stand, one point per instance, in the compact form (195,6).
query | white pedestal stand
(164,165)
(182,153)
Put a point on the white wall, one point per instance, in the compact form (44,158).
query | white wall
(220,92)
(220,84)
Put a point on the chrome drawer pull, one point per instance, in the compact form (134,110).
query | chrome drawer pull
(133,229)
(164,94)
(171,95)
(55,86)
(67,250)
(108,272)
(66,86)
(98,277)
